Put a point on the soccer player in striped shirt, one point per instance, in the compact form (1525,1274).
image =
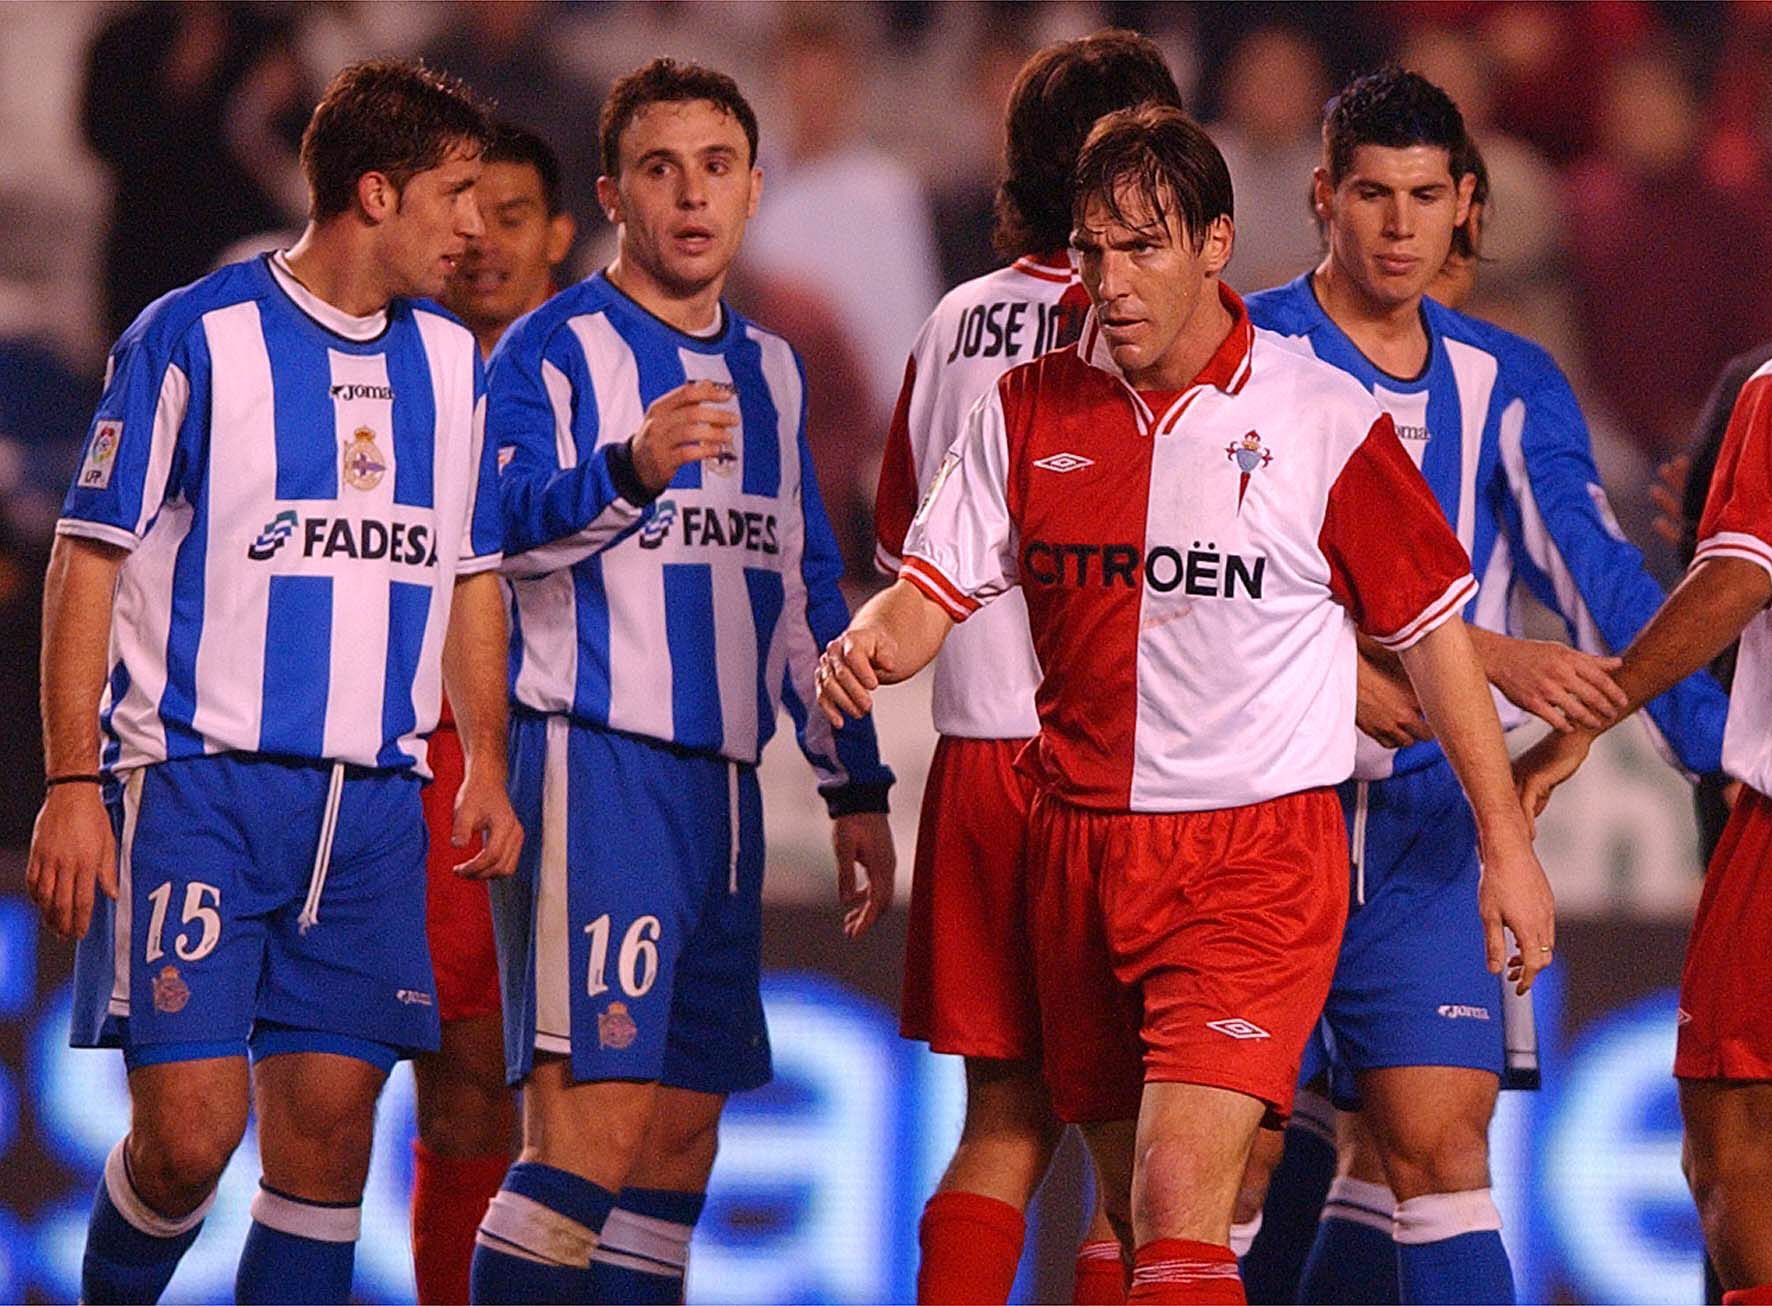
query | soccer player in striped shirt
(674,577)
(1414,1020)
(1200,516)
(285,531)
(968,976)
(467,1114)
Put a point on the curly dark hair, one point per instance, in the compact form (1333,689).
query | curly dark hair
(388,116)
(1058,95)
(665,81)
(1390,107)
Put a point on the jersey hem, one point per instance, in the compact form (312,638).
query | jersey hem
(1735,544)
(474,566)
(1432,617)
(938,589)
(103,532)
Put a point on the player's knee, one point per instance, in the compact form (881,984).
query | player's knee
(465,1115)
(176,1165)
(1720,1174)
(1448,1156)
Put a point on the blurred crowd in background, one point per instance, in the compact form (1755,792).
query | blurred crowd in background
(1629,146)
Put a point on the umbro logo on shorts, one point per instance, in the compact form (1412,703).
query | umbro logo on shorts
(1238,1028)
(1682,1017)
(1064,462)
(1461,1011)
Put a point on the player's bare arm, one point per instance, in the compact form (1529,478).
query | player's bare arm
(1385,706)
(1700,619)
(474,670)
(684,425)
(1514,892)
(896,634)
(72,847)
(1561,686)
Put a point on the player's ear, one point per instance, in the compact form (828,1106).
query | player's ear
(377,197)
(1221,240)
(1322,194)
(561,230)
(1467,187)
(756,191)
(609,198)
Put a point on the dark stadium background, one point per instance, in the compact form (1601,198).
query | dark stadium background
(1630,146)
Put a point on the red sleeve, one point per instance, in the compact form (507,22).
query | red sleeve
(895,500)
(1737,519)
(1394,562)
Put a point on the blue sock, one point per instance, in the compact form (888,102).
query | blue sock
(297,1251)
(536,1240)
(1449,1250)
(644,1249)
(1353,1258)
(131,1250)
(1274,1262)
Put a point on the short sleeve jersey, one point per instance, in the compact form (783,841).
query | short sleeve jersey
(986,673)
(1737,523)
(298,491)
(1194,568)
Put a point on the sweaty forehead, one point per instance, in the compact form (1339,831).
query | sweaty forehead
(1131,214)
(686,127)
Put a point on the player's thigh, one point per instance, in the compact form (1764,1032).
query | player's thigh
(316,1121)
(1412,986)
(1431,1125)
(682,1138)
(1192,1146)
(464,1106)
(593,1129)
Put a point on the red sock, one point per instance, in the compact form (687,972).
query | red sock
(971,1247)
(1761,1296)
(1101,1275)
(449,1196)
(1181,1270)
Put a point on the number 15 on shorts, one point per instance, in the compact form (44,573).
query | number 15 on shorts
(636,964)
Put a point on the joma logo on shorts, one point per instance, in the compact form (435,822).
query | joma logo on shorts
(413,997)
(1459,1011)
(1238,1028)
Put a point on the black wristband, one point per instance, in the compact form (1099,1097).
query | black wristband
(627,481)
(90,778)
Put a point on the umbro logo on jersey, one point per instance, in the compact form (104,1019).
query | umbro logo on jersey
(348,391)
(1461,1011)
(409,543)
(1238,1028)
(1064,462)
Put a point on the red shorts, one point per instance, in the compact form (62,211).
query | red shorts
(1725,1022)
(458,912)
(1184,947)
(968,978)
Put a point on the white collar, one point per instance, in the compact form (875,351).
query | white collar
(333,319)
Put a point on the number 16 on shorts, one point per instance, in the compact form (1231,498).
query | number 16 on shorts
(635,972)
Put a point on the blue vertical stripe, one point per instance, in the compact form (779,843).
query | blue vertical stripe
(767,598)
(308,452)
(590,698)
(409,612)
(762,419)
(184,628)
(415,415)
(1442,462)
(661,370)
(113,746)
(298,666)
(689,633)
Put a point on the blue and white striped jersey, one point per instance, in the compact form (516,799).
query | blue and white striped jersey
(1497,432)
(298,490)
(689,617)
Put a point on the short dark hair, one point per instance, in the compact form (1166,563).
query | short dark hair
(1469,159)
(665,81)
(1167,157)
(510,143)
(388,116)
(1057,97)
(1393,108)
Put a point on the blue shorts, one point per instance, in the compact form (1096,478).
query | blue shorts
(630,938)
(216,940)
(1413,986)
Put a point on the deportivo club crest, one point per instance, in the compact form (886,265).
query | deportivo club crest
(364,466)
(170,992)
(615,1028)
(1250,457)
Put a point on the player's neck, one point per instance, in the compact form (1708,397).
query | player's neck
(1390,335)
(1193,347)
(693,314)
(334,266)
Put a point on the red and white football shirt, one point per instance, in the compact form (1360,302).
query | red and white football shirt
(1737,523)
(1194,571)
(986,674)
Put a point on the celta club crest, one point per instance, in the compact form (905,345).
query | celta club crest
(1250,457)
(170,992)
(615,1028)
(364,465)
